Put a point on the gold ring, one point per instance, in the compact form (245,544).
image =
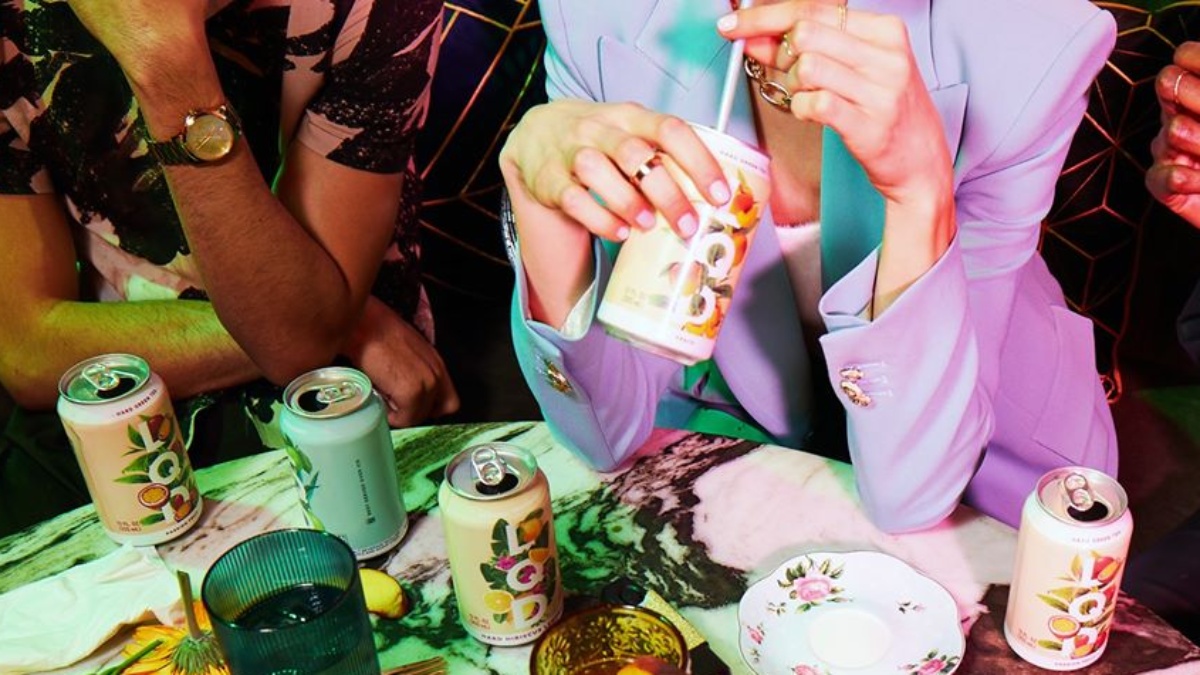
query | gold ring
(842,17)
(786,43)
(644,169)
(1175,87)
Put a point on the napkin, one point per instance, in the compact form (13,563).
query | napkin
(61,619)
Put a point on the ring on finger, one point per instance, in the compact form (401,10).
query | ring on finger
(842,17)
(1175,87)
(639,174)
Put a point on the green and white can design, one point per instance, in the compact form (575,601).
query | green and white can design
(341,450)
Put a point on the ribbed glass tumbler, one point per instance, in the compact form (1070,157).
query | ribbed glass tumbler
(290,602)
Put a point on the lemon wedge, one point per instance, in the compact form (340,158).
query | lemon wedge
(384,595)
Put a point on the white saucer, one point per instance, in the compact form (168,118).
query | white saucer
(860,613)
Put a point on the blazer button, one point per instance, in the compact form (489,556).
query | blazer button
(855,393)
(556,379)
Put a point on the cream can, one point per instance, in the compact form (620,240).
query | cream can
(499,528)
(1071,552)
(669,295)
(121,424)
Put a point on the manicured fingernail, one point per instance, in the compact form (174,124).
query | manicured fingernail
(645,219)
(727,23)
(622,233)
(719,191)
(688,225)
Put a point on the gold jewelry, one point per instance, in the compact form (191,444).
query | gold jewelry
(787,45)
(644,169)
(1175,88)
(771,91)
(842,17)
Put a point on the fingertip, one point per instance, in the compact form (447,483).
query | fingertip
(728,22)
(688,225)
(622,233)
(645,219)
(719,191)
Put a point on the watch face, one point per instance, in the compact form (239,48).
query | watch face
(209,137)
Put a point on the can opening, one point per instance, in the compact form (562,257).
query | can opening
(310,401)
(1097,511)
(508,482)
(124,384)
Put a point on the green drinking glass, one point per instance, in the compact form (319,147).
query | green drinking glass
(290,602)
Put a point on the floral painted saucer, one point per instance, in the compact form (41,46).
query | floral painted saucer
(860,613)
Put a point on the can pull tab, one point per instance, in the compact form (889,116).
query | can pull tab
(100,377)
(332,393)
(1083,503)
(488,466)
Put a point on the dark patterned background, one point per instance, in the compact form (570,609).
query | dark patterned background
(1093,237)
(490,73)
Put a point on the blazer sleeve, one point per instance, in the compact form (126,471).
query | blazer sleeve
(931,363)
(598,394)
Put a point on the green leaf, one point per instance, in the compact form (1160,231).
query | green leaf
(139,465)
(152,519)
(1054,602)
(1076,568)
(1067,594)
(135,437)
(1050,644)
(133,479)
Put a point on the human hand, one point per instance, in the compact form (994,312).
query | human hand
(403,367)
(854,71)
(1174,177)
(582,159)
(144,34)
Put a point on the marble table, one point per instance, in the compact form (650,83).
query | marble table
(696,518)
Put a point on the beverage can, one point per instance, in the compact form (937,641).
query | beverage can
(345,465)
(668,295)
(121,424)
(1071,552)
(499,528)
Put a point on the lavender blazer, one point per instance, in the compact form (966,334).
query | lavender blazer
(980,378)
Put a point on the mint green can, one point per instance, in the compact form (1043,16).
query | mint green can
(341,450)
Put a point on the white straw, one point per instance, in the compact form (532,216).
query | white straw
(733,77)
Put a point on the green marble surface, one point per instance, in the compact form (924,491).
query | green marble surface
(696,518)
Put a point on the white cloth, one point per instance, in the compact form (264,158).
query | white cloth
(64,618)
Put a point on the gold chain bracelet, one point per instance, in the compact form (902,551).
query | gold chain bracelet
(771,91)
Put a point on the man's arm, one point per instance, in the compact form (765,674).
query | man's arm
(288,276)
(46,328)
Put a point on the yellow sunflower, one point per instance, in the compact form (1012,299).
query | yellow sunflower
(192,650)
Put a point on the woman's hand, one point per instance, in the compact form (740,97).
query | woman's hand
(575,168)
(584,159)
(1174,178)
(855,72)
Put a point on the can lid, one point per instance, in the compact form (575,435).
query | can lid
(491,471)
(104,378)
(327,393)
(1081,496)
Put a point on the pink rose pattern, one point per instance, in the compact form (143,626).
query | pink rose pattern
(933,664)
(813,583)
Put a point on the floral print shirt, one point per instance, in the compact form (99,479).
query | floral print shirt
(349,79)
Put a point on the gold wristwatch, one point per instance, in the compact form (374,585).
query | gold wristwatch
(207,136)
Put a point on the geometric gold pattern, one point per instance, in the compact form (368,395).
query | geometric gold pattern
(1092,236)
(489,73)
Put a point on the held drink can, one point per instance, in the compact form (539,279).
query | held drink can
(669,296)
(499,528)
(341,450)
(119,419)
(1071,551)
